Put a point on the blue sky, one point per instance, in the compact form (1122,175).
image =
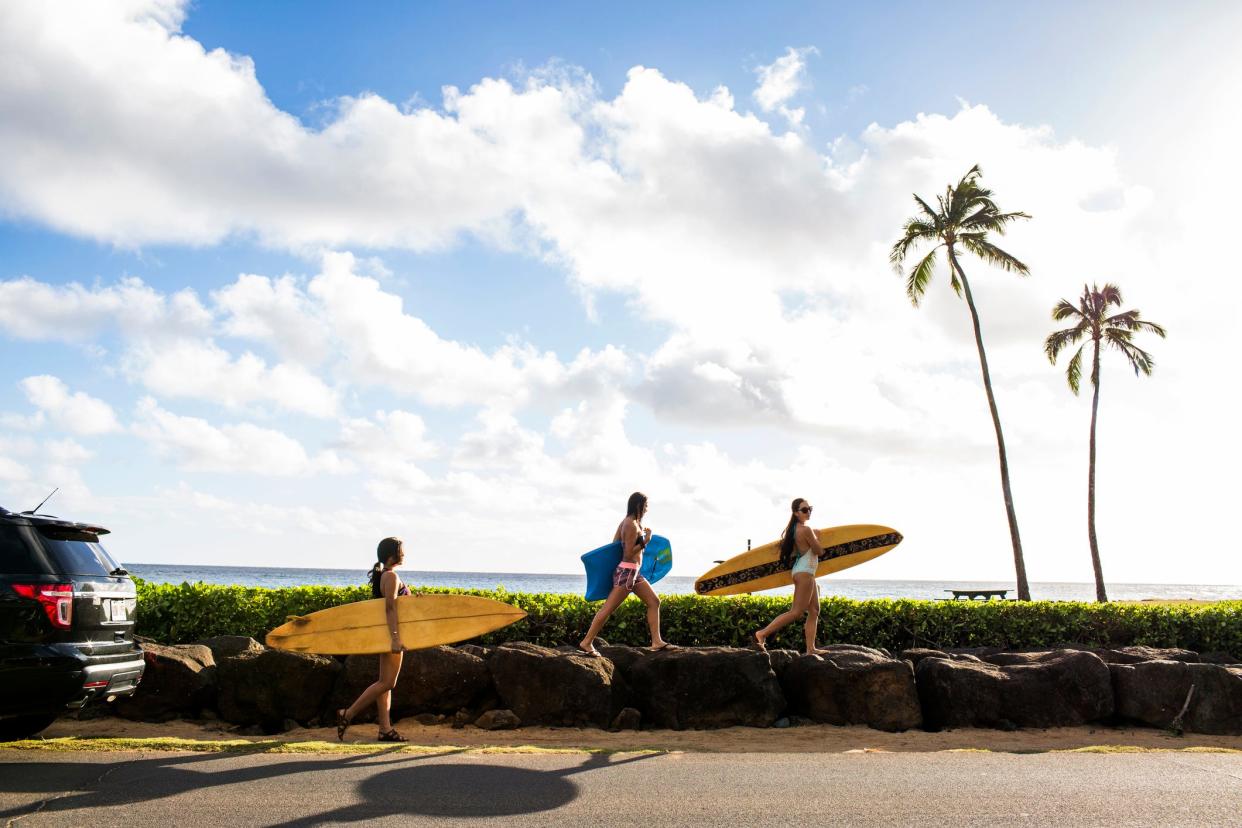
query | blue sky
(360,305)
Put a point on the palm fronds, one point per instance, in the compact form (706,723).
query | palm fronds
(1114,331)
(1058,340)
(978,244)
(921,275)
(1073,374)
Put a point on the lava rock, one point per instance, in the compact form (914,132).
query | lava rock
(1154,693)
(854,685)
(557,687)
(434,680)
(1054,689)
(1138,654)
(227,646)
(498,720)
(706,687)
(630,718)
(179,681)
(269,686)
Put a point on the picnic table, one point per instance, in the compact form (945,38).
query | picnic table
(980,594)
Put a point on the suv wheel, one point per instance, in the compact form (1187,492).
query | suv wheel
(23,727)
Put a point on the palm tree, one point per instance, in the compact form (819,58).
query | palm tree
(1091,319)
(966,216)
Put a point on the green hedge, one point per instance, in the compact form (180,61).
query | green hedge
(188,612)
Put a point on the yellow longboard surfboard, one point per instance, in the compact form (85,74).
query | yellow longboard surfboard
(424,621)
(760,568)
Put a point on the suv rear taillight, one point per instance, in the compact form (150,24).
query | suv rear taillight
(56,599)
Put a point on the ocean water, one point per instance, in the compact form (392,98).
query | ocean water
(671,585)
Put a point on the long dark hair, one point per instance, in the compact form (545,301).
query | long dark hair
(635,506)
(388,548)
(790,533)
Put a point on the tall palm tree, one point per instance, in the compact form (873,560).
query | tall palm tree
(966,216)
(1091,319)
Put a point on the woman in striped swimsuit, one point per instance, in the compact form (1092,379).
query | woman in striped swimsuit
(800,553)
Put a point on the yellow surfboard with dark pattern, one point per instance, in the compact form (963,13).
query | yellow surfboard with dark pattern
(760,568)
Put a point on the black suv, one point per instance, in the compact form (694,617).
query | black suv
(66,622)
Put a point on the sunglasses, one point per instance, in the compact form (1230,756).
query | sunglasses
(806,510)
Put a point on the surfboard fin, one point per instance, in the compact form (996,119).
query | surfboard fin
(297,619)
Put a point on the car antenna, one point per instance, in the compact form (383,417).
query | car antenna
(36,509)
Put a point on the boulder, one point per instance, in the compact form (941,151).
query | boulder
(227,646)
(1154,693)
(556,687)
(498,720)
(781,659)
(630,718)
(268,686)
(1053,689)
(1135,655)
(844,686)
(916,654)
(434,680)
(179,680)
(706,687)
(621,656)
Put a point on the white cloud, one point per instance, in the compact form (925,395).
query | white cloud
(76,412)
(780,80)
(242,448)
(499,442)
(201,369)
(12,471)
(37,311)
(276,312)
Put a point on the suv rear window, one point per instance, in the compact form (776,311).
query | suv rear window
(26,550)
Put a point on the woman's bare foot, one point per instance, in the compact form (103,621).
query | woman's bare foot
(760,641)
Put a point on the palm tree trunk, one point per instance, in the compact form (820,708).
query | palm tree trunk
(1024,591)
(1100,595)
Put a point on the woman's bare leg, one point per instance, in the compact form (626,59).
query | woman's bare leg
(812,618)
(803,582)
(613,601)
(644,591)
(389,667)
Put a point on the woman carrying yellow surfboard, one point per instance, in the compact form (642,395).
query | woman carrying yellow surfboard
(385,584)
(799,551)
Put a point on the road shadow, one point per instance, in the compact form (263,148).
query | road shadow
(109,784)
(461,789)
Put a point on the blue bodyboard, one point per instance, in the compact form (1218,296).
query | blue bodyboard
(601,563)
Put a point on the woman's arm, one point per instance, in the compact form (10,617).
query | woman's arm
(808,539)
(388,586)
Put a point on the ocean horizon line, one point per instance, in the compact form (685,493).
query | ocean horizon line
(475,574)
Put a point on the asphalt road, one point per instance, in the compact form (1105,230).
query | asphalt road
(158,789)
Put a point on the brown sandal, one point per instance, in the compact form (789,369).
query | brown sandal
(391,736)
(342,724)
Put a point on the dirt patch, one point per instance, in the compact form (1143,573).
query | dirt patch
(802,739)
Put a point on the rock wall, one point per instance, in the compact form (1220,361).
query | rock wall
(246,684)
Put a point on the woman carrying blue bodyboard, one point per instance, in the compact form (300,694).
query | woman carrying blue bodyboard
(626,578)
